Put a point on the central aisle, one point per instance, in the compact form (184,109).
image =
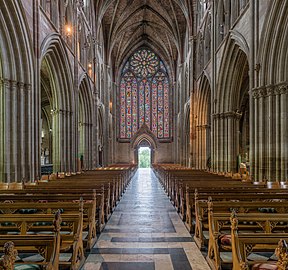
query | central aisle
(145,233)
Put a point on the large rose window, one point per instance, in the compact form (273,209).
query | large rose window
(144,95)
(144,63)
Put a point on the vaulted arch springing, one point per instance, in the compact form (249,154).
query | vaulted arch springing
(144,95)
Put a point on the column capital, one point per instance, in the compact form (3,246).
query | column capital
(228,115)
(270,90)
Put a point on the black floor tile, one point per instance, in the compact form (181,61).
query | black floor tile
(127,266)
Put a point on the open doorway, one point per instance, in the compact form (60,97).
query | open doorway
(144,157)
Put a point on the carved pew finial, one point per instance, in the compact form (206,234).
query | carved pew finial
(282,253)
(81,205)
(234,220)
(8,259)
(57,221)
(210,204)
(196,194)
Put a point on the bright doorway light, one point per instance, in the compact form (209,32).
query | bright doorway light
(144,157)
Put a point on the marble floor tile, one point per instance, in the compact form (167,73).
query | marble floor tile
(145,232)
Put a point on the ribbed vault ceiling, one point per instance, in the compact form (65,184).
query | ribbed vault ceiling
(158,24)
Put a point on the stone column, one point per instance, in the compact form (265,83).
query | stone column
(222,141)
(205,146)
(236,144)
(230,147)
(255,165)
(253,147)
(270,133)
(277,153)
(106,115)
(202,147)
(14,132)
(261,135)
(2,131)
(283,131)
(95,129)
(7,136)
(30,170)
(56,142)
(214,132)
(192,158)
(215,142)
(22,125)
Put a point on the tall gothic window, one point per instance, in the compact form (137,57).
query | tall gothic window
(144,95)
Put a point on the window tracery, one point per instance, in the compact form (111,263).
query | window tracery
(144,95)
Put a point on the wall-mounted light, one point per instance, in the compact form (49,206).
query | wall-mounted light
(68,30)
(89,65)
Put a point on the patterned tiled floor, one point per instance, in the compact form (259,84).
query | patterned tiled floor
(145,233)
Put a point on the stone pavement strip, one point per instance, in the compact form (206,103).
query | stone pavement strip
(145,233)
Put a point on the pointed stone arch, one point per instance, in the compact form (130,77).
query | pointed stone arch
(100,135)
(273,53)
(232,93)
(17,154)
(58,71)
(203,123)
(186,146)
(85,122)
(144,137)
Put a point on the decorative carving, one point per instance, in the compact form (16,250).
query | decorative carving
(270,90)
(28,87)
(248,249)
(226,115)
(234,220)
(21,87)
(257,67)
(8,259)
(80,3)
(282,89)
(13,85)
(273,224)
(281,253)
(5,82)
(262,225)
(42,251)
(262,92)
(57,221)
(8,211)
(244,265)
(210,204)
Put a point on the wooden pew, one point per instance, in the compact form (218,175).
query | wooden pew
(245,205)
(60,196)
(72,224)
(46,207)
(219,229)
(245,243)
(193,212)
(45,245)
(48,246)
(62,187)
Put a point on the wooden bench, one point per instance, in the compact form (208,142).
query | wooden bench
(46,207)
(245,243)
(193,212)
(48,246)
(241,206)
(59,196)
(219,230)
(71,235)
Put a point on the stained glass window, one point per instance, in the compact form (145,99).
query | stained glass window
(144,95)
